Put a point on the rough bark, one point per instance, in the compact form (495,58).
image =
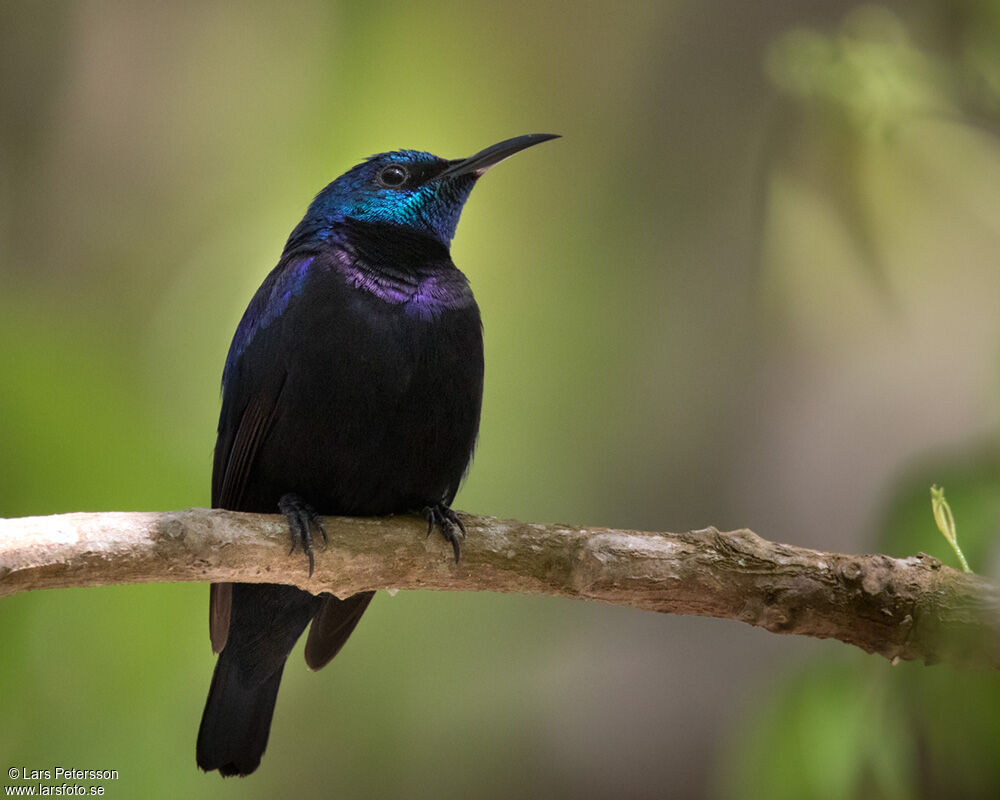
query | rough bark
(910,609)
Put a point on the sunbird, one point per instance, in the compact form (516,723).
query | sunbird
(353,386)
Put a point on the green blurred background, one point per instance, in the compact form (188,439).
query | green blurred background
(756,284)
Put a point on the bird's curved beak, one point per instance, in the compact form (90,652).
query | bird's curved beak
(484,159)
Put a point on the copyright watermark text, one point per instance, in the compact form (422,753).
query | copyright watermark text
(57,782)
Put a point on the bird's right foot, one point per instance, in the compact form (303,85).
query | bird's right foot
(448,523)
(301,517)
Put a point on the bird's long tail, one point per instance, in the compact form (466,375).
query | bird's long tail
(237,719)
(265,621)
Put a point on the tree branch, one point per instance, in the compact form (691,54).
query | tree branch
(908,609)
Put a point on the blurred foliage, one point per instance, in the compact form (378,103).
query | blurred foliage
(847,725)
(841,156)
(854,726)
(850,727)
(858,92)
(869,77)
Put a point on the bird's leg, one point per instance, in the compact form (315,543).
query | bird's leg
(301,517)
(448,523)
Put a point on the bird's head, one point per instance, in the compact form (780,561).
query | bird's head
(413,189)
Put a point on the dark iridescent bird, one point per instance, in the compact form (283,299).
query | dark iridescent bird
(352,386)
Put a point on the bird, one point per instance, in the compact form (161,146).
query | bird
(352,386)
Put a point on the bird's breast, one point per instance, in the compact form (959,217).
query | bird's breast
(381,397)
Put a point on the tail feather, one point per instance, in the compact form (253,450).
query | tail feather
(334,622)
(265,620)
(237,719)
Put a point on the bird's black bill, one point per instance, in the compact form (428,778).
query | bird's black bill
(494,154)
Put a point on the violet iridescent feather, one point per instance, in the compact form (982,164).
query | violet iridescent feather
(272,298)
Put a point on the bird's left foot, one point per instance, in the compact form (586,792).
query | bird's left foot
(301,517)
(448,523)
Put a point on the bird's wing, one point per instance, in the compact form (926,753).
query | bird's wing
(332,625)
(236,450)
(248,410)
(220,603)
(234,456)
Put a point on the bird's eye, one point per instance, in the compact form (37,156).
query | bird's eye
(393,177)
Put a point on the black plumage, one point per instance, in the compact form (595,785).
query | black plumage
(353,386)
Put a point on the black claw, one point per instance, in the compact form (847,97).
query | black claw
(446,521)
(301,519)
